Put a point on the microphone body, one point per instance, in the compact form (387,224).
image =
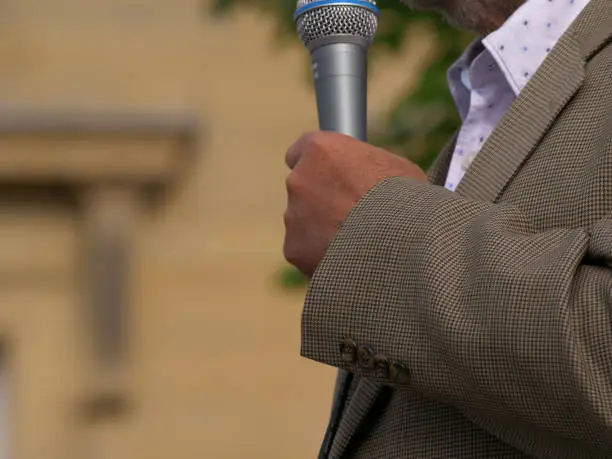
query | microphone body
(341,86)
(338,34)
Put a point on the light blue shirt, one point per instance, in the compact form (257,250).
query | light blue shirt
(492,72)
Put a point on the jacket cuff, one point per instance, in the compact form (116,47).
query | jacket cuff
(346,322)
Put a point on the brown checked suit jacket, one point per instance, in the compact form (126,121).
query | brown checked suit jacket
(478,324)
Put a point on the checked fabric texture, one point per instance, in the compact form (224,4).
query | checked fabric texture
(478,323)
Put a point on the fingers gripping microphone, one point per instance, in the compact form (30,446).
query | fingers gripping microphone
(338,34)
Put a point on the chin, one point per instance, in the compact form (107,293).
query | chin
(432,5)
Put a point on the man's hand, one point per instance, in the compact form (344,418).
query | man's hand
(330,173)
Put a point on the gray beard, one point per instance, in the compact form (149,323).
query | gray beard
(481,16)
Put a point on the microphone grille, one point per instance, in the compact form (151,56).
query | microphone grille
(337,17)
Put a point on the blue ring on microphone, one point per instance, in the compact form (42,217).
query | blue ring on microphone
(321,3)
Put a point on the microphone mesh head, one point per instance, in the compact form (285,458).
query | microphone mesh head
(340,19)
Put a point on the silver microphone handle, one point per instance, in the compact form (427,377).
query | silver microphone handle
(340,80)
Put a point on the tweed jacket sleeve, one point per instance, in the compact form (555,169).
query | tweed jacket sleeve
(465,302)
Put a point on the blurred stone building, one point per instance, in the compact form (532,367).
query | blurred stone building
(210,365)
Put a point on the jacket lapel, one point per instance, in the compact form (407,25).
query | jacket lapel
(364,397)
(526,122)
(343,383)
(593,28)
(439,169)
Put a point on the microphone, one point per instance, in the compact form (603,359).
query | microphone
(338,34)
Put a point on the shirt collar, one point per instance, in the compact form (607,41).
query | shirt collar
(458,76)
(520,46)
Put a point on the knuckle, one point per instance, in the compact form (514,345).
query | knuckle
(305,146)
(292,182)
(289,252)
(309,138)
(291,244)
(315,141)
(321,140)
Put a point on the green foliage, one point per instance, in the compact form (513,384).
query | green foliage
(424,117)
(291,278)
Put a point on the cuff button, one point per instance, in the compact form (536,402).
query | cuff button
(348,351)
(381,366)
(399,373)
(365,357)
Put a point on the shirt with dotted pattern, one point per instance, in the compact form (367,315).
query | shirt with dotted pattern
(492,72)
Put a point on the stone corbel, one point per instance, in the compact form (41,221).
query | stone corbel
(111,163)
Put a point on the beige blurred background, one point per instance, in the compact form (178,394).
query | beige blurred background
(211,365)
